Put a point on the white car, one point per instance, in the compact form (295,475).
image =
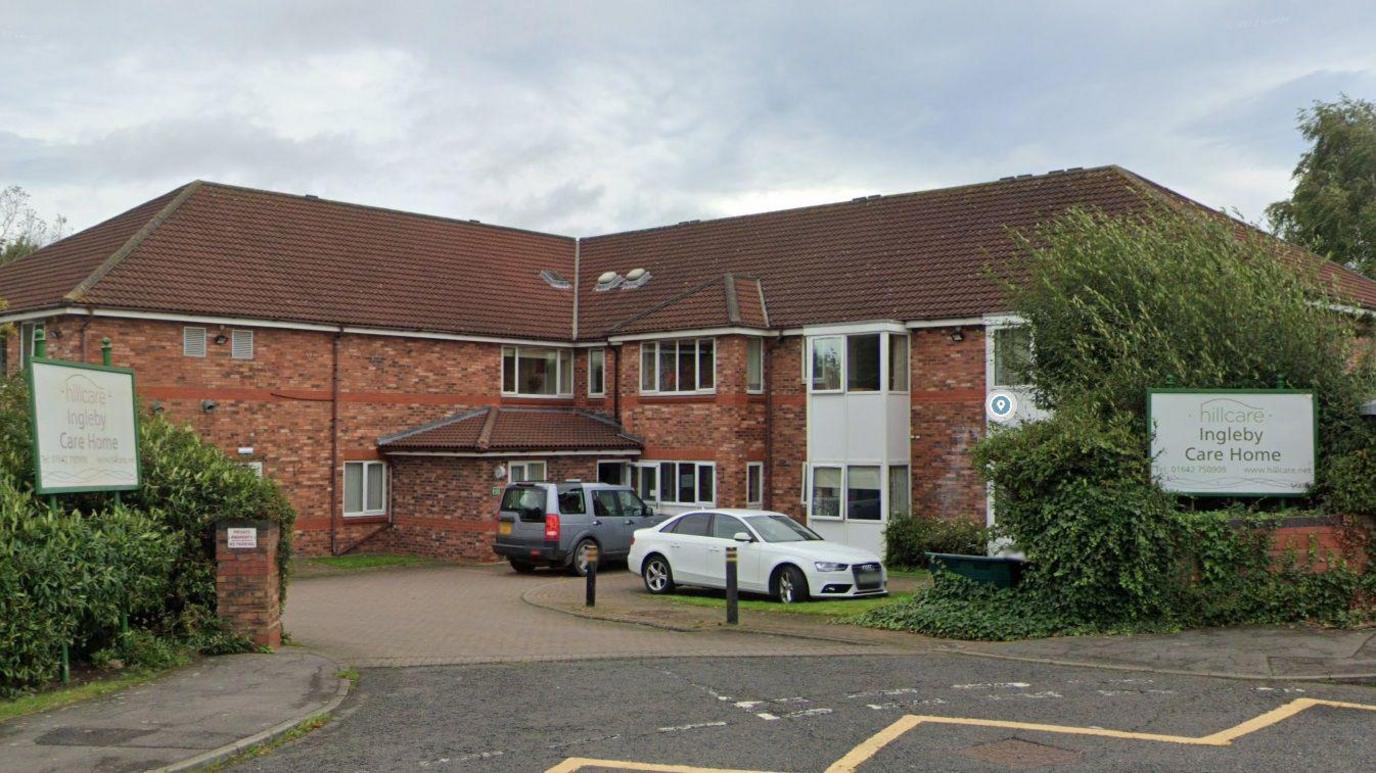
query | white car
(775,555)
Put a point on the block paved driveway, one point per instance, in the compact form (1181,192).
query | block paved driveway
(455,615)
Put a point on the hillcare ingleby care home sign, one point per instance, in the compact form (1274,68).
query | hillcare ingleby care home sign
(85,427)
(1233,442)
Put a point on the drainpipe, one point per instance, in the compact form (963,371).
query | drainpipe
(767,479)
(335,503)
(616,382)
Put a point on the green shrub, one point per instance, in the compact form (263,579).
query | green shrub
(908,540)
(68,578)
(1116,306)
(67,575)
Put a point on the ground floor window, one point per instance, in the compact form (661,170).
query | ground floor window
(647,482)
(518,472)
(613,473)
(683,483)
(854,492)
(754,484)
(365,488)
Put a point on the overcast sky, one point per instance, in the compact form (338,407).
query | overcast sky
(582,118)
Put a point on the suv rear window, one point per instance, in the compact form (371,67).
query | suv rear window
(528,502)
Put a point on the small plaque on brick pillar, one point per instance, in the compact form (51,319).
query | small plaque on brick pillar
(242,539)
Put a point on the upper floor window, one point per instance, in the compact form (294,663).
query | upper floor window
(678,365)
(1012,355)
(754,364)
(862,362)
(537,371)
(597,372)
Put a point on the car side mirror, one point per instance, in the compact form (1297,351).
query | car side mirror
(743,537)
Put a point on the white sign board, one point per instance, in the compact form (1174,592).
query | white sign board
(1233,443)
(241,539)
(85,429)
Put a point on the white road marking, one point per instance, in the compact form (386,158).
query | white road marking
(680,728)
(885,693)
(991,686)
(766,716)
(805,713)
(1280,689)
(747,704)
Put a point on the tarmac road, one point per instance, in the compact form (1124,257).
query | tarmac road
(804,713)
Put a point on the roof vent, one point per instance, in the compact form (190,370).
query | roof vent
(608,280)
(636,277)
(689,222)
(312,196)
(1006,179)
(555,280)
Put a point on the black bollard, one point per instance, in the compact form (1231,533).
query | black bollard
(592,577)
(732,596)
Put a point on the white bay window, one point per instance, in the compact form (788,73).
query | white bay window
(678,365)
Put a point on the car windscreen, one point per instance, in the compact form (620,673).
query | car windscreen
(781,528)
(527,502)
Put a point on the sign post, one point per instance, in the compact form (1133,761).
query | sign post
(1233,442)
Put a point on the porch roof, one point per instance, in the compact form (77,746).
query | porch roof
(500,430)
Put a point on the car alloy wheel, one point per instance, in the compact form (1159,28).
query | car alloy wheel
(792,586)
(581,554)
(658,577)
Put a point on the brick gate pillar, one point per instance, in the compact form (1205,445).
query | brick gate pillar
(247,589)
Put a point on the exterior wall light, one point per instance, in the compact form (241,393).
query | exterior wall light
(957,335)
(157,407)
(221,339)
(208,405)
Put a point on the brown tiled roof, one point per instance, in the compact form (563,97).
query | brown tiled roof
(723,301)
(229,251)
(498,430)
(220,250)
(912,256)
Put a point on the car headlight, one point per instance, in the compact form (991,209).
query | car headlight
(831,566)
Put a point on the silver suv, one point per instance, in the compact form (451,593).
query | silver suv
(555,524)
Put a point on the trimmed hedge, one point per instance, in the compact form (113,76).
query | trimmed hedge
(907,540)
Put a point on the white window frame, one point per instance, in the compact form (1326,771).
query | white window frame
(697,367)
(841,497)
(601,353)
(525,468)
(754,501)
(235,337)
(888,363)
(257,468)
(758,342)
(625,470)
(638,480)
(885,378)
(28,340)
(186,341)
(885,471)
(992,331)
(363,470)
(561,353)
(697,482)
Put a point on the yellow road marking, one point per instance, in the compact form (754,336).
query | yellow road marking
(866,750)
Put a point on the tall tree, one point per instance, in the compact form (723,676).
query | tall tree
(22,230)
(1333,208)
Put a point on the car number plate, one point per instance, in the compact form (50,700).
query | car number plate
(504,528)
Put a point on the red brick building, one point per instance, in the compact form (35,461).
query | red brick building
(394,370)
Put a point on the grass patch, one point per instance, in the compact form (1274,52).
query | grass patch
(836,609)
(349,673)
(75,693)
(329,565)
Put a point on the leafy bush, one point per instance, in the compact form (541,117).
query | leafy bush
(908,540)
(67,578)
(1117,306)
(67,575)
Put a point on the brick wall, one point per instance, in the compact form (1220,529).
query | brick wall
(788,426)
(947,420)
(726,428)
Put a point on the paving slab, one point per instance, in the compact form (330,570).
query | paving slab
(198,714)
